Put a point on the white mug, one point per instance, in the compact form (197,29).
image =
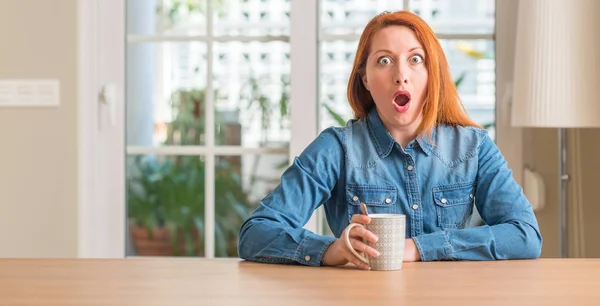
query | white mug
(390,229)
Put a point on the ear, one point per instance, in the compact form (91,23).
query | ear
(364,81)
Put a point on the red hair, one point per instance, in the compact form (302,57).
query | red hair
(441,103)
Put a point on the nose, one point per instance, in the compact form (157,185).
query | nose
(400,76)
(400,79)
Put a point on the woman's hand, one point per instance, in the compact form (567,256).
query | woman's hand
(411,253)
(338,254)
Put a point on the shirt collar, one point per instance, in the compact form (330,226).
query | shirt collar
(384,142)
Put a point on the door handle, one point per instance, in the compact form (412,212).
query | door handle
(108,96)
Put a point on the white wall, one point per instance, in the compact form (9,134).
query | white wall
(38,159)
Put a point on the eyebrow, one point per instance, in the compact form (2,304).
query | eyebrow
(388,51)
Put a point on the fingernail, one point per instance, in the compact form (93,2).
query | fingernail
(377,253)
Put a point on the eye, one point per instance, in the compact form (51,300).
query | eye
(384,60)
(416,59)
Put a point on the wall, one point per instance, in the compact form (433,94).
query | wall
(541,156)
(590,179)
(38,163)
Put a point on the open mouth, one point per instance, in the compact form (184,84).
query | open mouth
(401,100)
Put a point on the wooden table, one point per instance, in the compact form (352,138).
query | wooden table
(190,281)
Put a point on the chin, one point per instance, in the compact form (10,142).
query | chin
(405,119)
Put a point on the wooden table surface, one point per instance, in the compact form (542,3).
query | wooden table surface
(193,281)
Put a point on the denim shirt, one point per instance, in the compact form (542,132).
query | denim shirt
(436,185)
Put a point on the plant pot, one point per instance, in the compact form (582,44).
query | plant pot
(161,243)
(198,247)
(157,245)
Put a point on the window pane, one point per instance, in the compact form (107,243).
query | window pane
(165,205)
(241,182)
(166,85)
(472,64)
(173,17)
(251,17)
(351,16)
(457,16)
(336,59)
(252,84)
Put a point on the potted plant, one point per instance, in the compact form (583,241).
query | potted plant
(166,193)
(145,214)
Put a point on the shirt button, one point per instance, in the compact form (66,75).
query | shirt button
(444,201)
(355,198)
(307,258)
(409,168)
(415,206)
(388,200)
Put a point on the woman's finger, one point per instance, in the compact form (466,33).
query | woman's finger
(362,219)
(361,247)
(361,265)
(355,260)
(359,231)
(347,253)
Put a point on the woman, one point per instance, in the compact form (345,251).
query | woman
(411,149)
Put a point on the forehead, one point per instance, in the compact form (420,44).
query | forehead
(395,39)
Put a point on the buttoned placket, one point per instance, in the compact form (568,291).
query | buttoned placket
(414,196)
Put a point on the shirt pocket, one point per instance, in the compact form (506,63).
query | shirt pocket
(379,199)
(454,204)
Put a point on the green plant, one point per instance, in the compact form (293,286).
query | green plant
(335,115)
(255,93)
(142,198)
(169,191)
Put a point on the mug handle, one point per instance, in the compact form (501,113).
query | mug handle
(347,240)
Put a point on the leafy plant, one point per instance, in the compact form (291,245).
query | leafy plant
(169,191)
(336,116)
(256,93)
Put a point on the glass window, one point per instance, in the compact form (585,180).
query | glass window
(189,187)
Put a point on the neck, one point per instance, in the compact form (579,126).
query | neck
(404,134)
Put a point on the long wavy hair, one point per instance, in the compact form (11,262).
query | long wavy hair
(441,103)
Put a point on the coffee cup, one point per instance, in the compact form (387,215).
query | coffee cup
(390,229)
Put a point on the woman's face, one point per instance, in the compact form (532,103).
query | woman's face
(396,77)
